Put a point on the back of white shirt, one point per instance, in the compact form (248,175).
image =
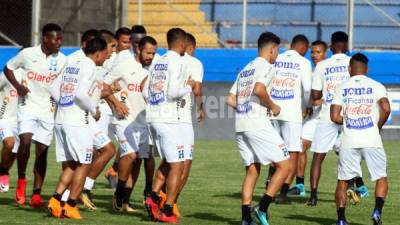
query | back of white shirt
(250,113)
(75,73)
(9,98)
(39,72)
(291,85)
(167,73)
(328,74)
(359,98)
(194,70)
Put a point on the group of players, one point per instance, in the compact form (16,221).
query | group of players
(285,104)
(116,85)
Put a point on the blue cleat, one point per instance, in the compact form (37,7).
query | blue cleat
(297,190)
(341,222)
(244,222)
(362,191)
(261,216)
(376,217)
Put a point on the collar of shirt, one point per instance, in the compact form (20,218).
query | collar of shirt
(360,76)
(339,56)
(261,59)
(90,61)
(173,53)
(39,51)
(292,52)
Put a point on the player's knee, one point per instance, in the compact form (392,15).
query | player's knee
(8,143)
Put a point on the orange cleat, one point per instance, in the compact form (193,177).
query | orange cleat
(36,201)
(163,199)
(54,207)
(71,212)
(176,212)
(111,176)
(20,195)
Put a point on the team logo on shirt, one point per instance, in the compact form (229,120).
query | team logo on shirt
(53,64)
(358,107)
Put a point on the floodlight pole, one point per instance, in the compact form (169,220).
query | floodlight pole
(35,22)
(350,22)
(139,13)
(244,24)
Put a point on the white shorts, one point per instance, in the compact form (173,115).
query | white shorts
(74,144)
(261,146)
(100,139)
(8,130)
(169,141)
(42,129)
(104,124)
(188,139)
(324,137)
(308,129)
(349,163)
(290,133)
(133,139)
(151,142)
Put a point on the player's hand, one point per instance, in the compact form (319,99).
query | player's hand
(307,113)
(22,90)
(191,82)
(97,115)
(275,109)
(202,115)
(318,102)
(115,87)
(121,110)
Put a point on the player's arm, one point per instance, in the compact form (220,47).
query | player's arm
(335,114)
(55,88)
(13,64)
(317,86)
(384,111)
(115,74)
(198,91)
(261,92)
(231,100)
(175,89)
(84,101)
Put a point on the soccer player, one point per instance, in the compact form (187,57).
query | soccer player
(327,75)
(74,134)
(318,53)
(164,103)
(123,36)
(8,128)
(362,106)
(40,66)
(290,89)
(258,142)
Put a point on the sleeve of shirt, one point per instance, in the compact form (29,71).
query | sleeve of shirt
(380,92)
(337,96)
(3,81)
(317,79)
(175,87)
(198,72)
(17,61)
(306,82)
(233,90)
(82,97)
(115,74)
(55,88)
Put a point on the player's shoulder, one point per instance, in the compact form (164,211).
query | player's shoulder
(374,83)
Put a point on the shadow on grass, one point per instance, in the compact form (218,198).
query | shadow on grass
(315,219)
(213,217)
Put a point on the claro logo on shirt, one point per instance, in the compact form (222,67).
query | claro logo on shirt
(41,78)
(134,87)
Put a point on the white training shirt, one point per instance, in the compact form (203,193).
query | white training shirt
(130,74)
(194,69)
(38,73)
(327,75)
(76,102)
(359,98)
(250,113)
(9,98)
(165,89)
(291,85)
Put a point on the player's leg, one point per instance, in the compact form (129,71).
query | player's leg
(7,159)
(149,168)
(22,162)
(130,185)
(299,188)
(188,137)
(341,198)
(249,183)
(315,175)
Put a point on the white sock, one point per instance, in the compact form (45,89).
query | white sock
(89,183)
(65,196)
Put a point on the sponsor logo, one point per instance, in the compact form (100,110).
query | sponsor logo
(67,100)
(161,67)
(247,73)
(41,78)
(359,123)
(284,94)
(287,65)
(134,87)
(244,108)
(335,69)
(357,91)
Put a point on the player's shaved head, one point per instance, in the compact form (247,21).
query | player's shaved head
(138,29)
(176,39)
(300,44)
(190,44)
(339,42)
(268,46)
(358,64)
(49,28)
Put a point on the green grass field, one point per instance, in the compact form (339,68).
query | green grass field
(212,195)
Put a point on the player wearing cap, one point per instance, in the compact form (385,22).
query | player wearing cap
(258,142)
(40,66)
(362,106)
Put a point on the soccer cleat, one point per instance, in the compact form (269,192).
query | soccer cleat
(71,212)
(163,198)
(36,201)
(86,199)
(261,216)
(282,200)
(4,183)
(376,218)
(362,191)
(111,176)
(54,208)
(297,190)
(20,196)
(244,222)
(341,222)
(353,197)
(152,208)
(127,208)
(312,202)
(167,219)
(116,205)
(175,211)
